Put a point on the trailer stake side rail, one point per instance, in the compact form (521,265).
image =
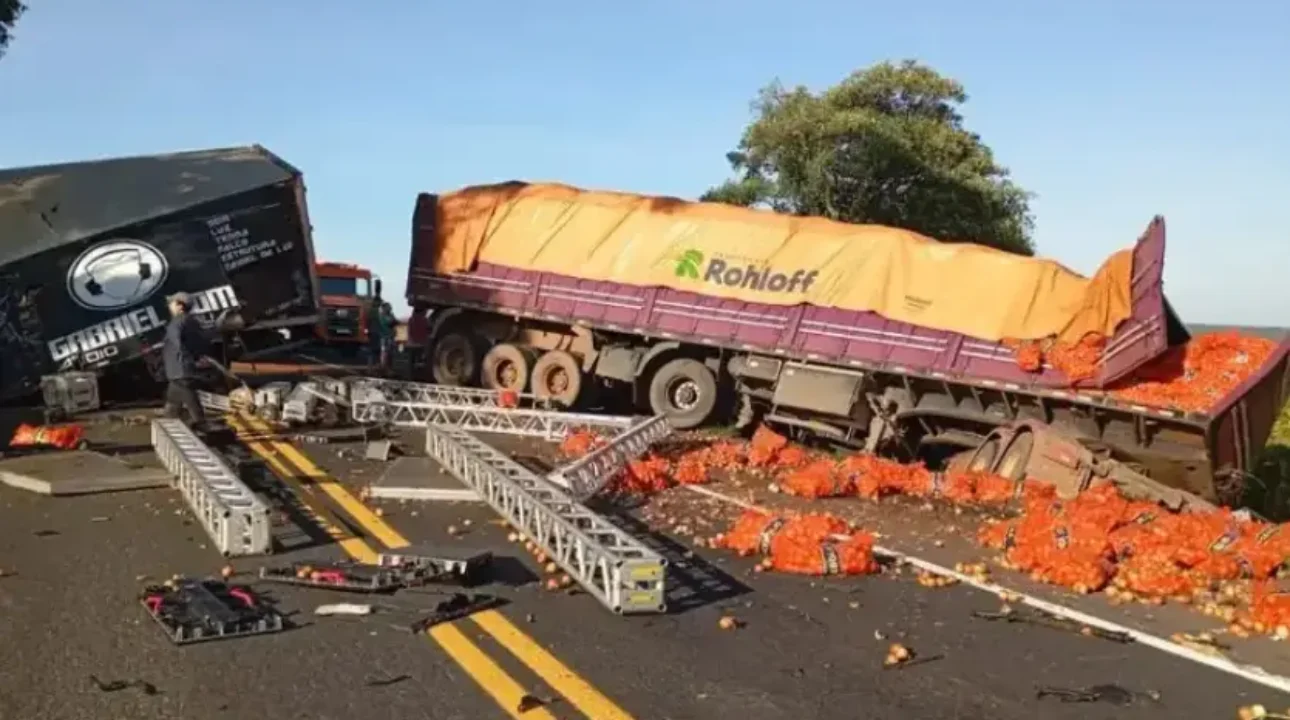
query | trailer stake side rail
(428,394)
(546,424)
(586,476)
(236,519)
(617,569)
(345,576)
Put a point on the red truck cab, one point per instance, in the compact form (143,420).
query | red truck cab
(346,292)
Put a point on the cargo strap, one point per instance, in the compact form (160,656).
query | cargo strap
(1062,535)
(1225,541)
(1267,533)
(1010,538)
(1145,517)
(829,556)
(767,534)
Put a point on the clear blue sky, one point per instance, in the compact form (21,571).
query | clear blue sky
(1110,111)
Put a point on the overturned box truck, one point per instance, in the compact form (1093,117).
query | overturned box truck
(90,250)
(868,336)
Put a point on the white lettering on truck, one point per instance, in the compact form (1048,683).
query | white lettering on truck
(97,343)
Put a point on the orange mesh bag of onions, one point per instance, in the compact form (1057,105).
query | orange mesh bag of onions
(752,532)
(1263,548)
(875,477)
(579,443)
(1197,375)
(765,446)
(812,544)
(1270,608)
(645,476)
(819,479)
(691,469)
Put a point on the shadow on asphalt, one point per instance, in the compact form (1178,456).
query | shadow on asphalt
(509,572)
(692,581)
(259,479)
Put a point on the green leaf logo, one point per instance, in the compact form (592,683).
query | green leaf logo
(687,264)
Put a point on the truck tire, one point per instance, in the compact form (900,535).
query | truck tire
(506,367)
(454,360)
(685,391)
(557,377)
(983,459)
(1012,463)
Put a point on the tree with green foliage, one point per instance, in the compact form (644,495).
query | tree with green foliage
(887,145)
(10,11)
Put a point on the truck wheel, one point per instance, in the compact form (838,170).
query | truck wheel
(685,391)
(454,360)
(1012,465)
(506,367)
(557,377)
(983,459)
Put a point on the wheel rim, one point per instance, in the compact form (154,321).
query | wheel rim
(454,359)
(985,456)
(508,374)
(684,394)
(557,380)
(1018,452)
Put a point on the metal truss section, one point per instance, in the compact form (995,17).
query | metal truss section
(525,422)
(237,521)
(213,402)
(396,391)
(585,476)
(300,403)
(611,565)
(329,390)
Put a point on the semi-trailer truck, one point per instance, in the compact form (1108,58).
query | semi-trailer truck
(869,337)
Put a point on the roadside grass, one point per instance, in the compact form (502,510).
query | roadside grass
(1273,470)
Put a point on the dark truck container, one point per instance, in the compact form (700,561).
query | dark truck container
(853,377)
(90,250)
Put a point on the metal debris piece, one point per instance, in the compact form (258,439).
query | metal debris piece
(1113,694)
(111,686)
(1056,623)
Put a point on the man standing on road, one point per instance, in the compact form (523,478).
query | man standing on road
(184,346)
(387,323)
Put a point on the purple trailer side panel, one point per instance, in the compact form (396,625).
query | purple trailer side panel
(1142,337)
(1242,421)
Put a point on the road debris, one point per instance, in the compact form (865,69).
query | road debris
(1034,617)
(343,609)
(386,681)
(1201,642)
(112,686)
(529,702)
(1113,694)
(455,607)
(729,622)
(897,654)
(1258,712)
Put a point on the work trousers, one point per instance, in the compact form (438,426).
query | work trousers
(182,402)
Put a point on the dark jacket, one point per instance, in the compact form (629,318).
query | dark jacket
(185,343)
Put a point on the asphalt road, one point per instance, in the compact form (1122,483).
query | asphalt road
(73,567)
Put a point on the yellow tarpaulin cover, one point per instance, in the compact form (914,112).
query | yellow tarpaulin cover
(766,257)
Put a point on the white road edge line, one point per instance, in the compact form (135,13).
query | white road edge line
(1253,673)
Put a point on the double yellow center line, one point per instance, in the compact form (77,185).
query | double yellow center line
(307,479)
